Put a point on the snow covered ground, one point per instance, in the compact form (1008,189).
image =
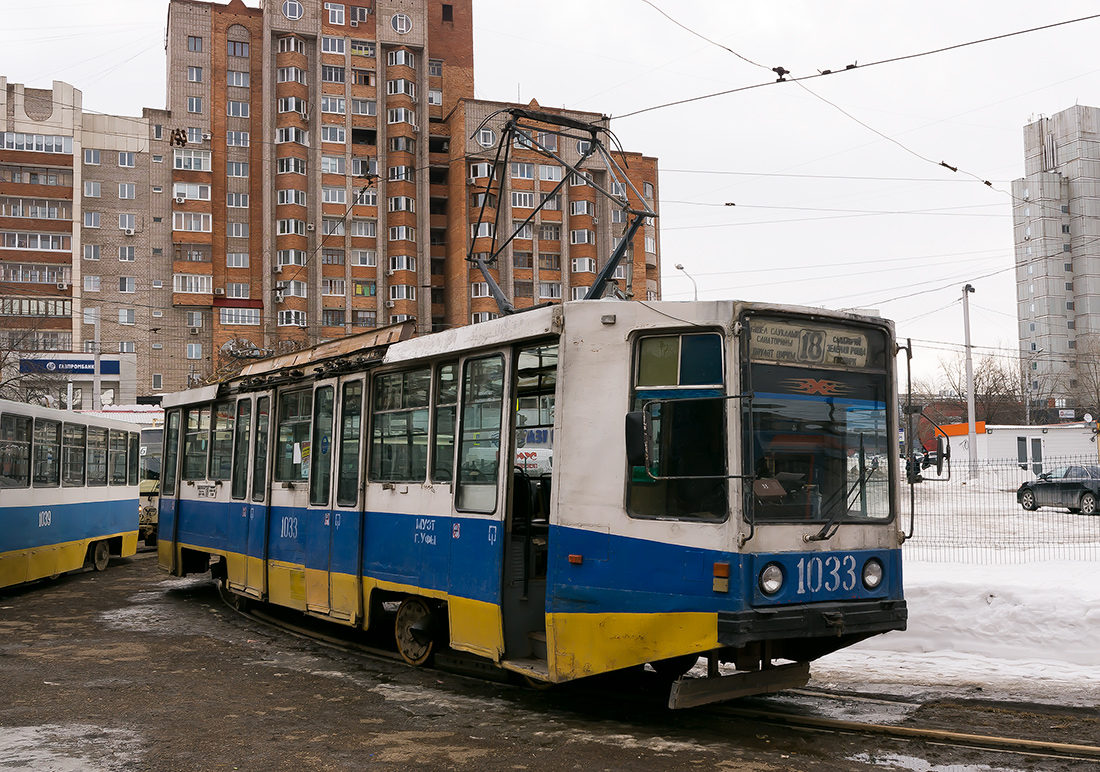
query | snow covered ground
(1028,632)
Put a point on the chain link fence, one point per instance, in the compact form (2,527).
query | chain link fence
(974,515)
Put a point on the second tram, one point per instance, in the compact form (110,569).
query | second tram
(710,479)
(68,492)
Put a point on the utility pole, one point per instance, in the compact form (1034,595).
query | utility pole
(971,432)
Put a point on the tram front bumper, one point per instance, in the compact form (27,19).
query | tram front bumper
(844,620)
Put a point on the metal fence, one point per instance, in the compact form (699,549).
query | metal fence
(974,517)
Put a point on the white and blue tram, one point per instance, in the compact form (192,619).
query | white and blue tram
(68,491)
(480,478)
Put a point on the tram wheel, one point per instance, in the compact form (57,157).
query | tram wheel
(413,630)
(101,555)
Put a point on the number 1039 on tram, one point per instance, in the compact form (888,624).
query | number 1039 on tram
(564,492)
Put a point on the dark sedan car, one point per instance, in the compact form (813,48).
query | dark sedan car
(1077,488)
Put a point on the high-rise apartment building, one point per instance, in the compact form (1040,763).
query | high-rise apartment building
(1057,237)
(319,169)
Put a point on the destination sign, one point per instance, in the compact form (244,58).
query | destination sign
(772,340)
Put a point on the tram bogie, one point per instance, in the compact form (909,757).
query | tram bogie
(68,492)
(477,483)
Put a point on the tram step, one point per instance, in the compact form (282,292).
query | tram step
(538,645)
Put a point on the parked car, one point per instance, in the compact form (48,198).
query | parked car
(1077,488)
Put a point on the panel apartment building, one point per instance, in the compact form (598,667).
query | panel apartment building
(1056,221)
(319,170)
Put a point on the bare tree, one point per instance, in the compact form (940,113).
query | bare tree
(998,392)
(1085,390)
(20,379)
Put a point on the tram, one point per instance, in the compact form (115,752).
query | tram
(68,492)
(564,492)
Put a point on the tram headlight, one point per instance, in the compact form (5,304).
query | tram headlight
(771,579)
(872,573)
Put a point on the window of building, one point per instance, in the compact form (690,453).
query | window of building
(236,138)
(435,68)
(332,164)
(194,74)
(401,86)
(486,137)
(401,173)
(647,189)
(127,284)
(330,227)
(332,104)
(523,199)
(236,230)
(402,292)
(402,263)
(362,48)
(238,48)
(363,77)
(549,262)
(364,318)
(91,251)
(401,58)
(584,265)
(92,189)
(291,165)
(194,351)
(366,288)
(582,208)
(364,107)
(435,96)
(448,12)
(551,203)
(550,232)
(331,45)
(335,13)
(194,44)
(192,160)
(402,233)
(402,204)
(127,254)
(332,286)
(550,289)
(127,222)
(522,171)
(191,221)
(194,135)
(579,293)
(550,173)
(127,160)
(194,104)
(522,259)
(237,78)
(401,115)
(582,236)
(291,134)
(91,284)
(333,134)
(91,219)
(522,230)
(290,75)
(651,245)
(127,316)
(479,289)
(332,74)
(91,157)
(127,190)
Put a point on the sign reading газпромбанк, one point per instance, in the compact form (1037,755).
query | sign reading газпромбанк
(810,344)
(68,366)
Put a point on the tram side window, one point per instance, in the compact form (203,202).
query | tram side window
(47,453)
(535,384)
(259,458)
(97,456)
(351,428)
(446,413)
(320,478)
(479,445)
(688,438)
(292,446)
(171,454)
(117,457)
(15,451)
(399,444)
(240,453)
(72,455)
(196,438)
(132,462)
(221,445)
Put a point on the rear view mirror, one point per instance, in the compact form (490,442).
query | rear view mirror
(943,450)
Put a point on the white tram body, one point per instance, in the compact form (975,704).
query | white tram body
(68,491)
(565,492)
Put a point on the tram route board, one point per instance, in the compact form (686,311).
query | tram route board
(772,340)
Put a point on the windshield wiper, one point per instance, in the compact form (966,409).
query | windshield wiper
(833,523)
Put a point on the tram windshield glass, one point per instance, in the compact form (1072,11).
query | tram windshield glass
(817,437)
(149,465)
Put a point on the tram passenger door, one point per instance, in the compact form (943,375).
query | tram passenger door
(258,510)
(528,525)
(237,529)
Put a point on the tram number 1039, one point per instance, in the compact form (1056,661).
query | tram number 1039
(830,573)
(45,518)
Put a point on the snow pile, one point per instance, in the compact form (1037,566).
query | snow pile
(1030,631)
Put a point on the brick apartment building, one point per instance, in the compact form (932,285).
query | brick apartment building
(320,168)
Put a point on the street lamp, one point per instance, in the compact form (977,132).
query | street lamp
(695,287)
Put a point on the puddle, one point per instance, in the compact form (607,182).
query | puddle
(72,748)
(913,764)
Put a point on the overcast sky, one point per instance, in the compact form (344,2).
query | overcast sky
(838,197)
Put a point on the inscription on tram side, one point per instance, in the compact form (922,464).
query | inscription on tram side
(775,341)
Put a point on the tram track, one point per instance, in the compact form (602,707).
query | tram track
(456,663)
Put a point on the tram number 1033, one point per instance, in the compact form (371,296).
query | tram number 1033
(289,528)
(830,573)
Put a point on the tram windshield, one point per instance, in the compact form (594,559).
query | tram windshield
(818,438)
(149,461)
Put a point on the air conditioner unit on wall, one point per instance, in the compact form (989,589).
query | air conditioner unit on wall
(196,330)
(207,136)
(310,226)
(129,231)
(181,200)
(62,286)
(389,304)
(219,291)
(277,269)
(278,297)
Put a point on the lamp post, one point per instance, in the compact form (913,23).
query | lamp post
(695,287)
(971,432)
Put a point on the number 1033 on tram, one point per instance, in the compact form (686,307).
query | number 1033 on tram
(564,492)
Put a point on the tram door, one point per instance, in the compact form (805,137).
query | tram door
(333,533)
(237,528)
(258,510)
(528,526)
